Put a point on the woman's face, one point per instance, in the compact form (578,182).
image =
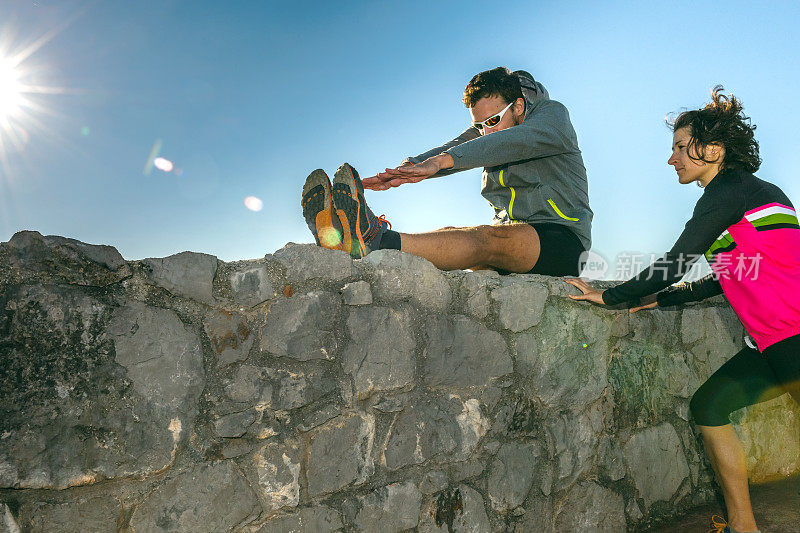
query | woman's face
(689,169)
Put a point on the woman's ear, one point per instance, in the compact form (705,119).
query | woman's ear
(715,153)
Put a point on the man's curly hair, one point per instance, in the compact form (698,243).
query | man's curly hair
(496,82)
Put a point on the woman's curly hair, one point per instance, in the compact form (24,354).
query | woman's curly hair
(721,122)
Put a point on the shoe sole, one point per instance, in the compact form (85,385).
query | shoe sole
(349,203)
(326,234)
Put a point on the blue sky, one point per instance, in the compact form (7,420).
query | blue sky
(247,98)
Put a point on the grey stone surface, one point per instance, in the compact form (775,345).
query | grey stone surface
(278,467)
(475,293)
(434,429)
(251,286)
(235,424)
(340,453)
(212,497)
(186,274)
(575,437)
(250,384)
(566,360)
(511,474)
(99,513)
(71,415)
(433,481)
(461,510)
(316,519)
(30,257)
(124,407)
(390,509)
(520,306)
(380,354)
(657,463)
(302,327)
(610,460)
(162,356)
(590,507)
(402,276)
(357,293)
(230,337)
(304,262)
(463,353)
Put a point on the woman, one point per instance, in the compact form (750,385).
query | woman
(748,230)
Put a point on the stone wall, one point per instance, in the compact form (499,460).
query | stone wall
(309,392)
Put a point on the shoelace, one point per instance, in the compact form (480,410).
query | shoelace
(382,218)
(717,525)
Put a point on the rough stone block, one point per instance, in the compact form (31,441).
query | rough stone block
(657,463)
(590,507)
(403,276)
(301,327)
(162,356)
(251,286)
(475,293)
(610,460)
(235,424)
(357,293)
(304,262)
(316,519)
(99,514)
(463,353)
(340,453)
(29,257)
(520,306)
(511,474)
(565,362)
(230,337)
(380,355)
(575,436)
(187,274)
(278,468)
(391,509)
(211,497)
(460,510)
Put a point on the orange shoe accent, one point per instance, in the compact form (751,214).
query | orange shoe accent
(718,526)
(347,241)
(328,236)
(382,218)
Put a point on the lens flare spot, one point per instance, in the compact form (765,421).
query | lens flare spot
(253,204)
(163,164)
(85,131)
(329,237)
(584,345)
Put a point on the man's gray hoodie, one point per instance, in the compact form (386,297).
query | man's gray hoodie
(533,172)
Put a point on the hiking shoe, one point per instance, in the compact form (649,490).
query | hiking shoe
(719,525)
(317,206)
(361,229)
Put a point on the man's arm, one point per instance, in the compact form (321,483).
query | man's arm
(547,132)
(466,135)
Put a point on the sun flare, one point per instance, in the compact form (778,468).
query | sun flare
(11,99)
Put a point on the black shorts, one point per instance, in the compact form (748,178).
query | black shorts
(560,251)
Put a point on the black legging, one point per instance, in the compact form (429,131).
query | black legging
(747,378)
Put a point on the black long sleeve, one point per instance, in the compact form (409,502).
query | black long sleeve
(721,206)
(690,292)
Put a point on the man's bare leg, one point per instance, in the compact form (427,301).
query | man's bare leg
(727,458)
(512,247)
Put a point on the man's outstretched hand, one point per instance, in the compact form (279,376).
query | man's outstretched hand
(407,173)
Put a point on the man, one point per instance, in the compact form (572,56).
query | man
(533,176)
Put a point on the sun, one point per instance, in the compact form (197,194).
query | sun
(11,90)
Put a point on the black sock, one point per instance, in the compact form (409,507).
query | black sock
(390,240)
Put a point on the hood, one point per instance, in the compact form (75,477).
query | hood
(532,90)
